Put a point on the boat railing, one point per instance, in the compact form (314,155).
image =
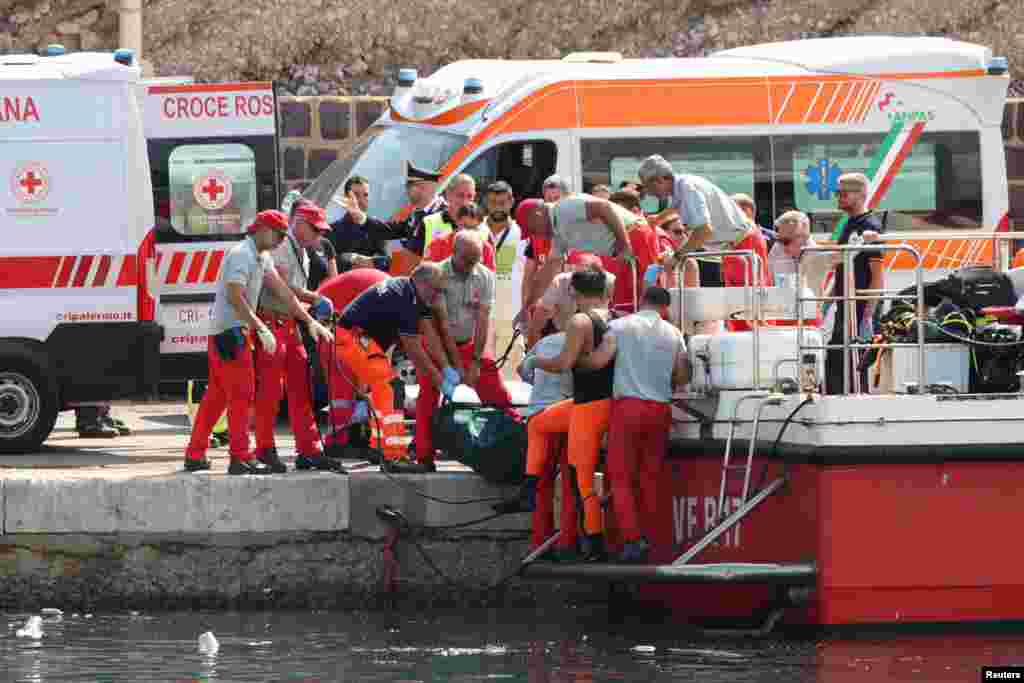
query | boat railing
(849,299)
(752,292)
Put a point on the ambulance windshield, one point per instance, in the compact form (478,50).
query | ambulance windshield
(381,157)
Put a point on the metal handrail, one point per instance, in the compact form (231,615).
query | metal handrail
(753,298)
(850,312)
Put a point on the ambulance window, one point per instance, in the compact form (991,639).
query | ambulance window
(938,184)
(213,189)
(522,164)
(734,164)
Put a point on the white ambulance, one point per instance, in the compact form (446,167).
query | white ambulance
(779,122)
(214,162)
(75,208)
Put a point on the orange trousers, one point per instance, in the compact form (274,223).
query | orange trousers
(585,424)
(358,362)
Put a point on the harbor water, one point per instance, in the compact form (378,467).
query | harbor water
(532,646)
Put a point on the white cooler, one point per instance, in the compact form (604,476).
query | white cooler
(725,361)
(944,364)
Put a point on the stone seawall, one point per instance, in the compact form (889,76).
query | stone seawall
(301,540)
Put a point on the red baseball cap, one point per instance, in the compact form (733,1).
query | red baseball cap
(314,215)
(525,208)
(273,219)
(584,258)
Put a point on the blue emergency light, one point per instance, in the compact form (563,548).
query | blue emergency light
(472,86)
(54,50)
(998,66)
(124,56)
(406,77)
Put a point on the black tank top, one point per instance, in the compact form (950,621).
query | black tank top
(594,385)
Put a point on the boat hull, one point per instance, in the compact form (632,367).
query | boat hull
(928,541)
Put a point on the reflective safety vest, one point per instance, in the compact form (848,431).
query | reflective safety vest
(435,226)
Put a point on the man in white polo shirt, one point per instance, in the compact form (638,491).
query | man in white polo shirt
(650,362)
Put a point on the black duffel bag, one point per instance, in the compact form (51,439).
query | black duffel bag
(488,440)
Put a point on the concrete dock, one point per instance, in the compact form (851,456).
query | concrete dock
(118,522)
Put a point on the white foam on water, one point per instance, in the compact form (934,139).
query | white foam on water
(52,610)
(643,649)
(33,628)
(208,644)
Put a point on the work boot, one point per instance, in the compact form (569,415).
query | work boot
(406,466)
(269,457)
(119,425)
(635,552)
(196,464)
(526,501)
(96,430)
(251,466)
(592,548)
(320,462)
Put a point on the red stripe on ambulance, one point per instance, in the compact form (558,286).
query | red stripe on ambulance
(174,271)
(66,269)
(84,265)
(28,272)
(196,267)
(100,280)
(213,268)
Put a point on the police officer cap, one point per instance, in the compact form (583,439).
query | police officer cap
(418,175)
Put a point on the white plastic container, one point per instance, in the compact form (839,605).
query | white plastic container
(944,363)
(725,361)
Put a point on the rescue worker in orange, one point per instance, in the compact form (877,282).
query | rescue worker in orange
(585,417)
(463,319)
(246,270)
(343,409)
(286,368)
(650,362)
(396,310)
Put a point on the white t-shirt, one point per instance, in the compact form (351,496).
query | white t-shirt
(647,351)
(571,229)
(510,261)
(245,266)
(292,263)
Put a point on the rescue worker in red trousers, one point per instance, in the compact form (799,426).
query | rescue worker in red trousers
(397,310)
(463,320)
(246,269)
(286,368)
(344,410)
(650,362)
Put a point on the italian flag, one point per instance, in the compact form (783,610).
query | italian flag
(887,163)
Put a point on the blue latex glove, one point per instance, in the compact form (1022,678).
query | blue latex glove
(651,276)
(361,413)
(322,309)
(451,376)
(448,389)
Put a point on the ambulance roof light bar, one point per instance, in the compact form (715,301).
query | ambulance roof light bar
(125,56)
(998,66)
(54,50)
(407,77)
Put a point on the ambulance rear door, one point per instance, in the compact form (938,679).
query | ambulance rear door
(214,162)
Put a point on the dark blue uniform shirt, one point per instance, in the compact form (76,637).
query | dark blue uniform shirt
(387,311)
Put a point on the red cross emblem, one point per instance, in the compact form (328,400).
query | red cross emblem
(212,190)
(30,182)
